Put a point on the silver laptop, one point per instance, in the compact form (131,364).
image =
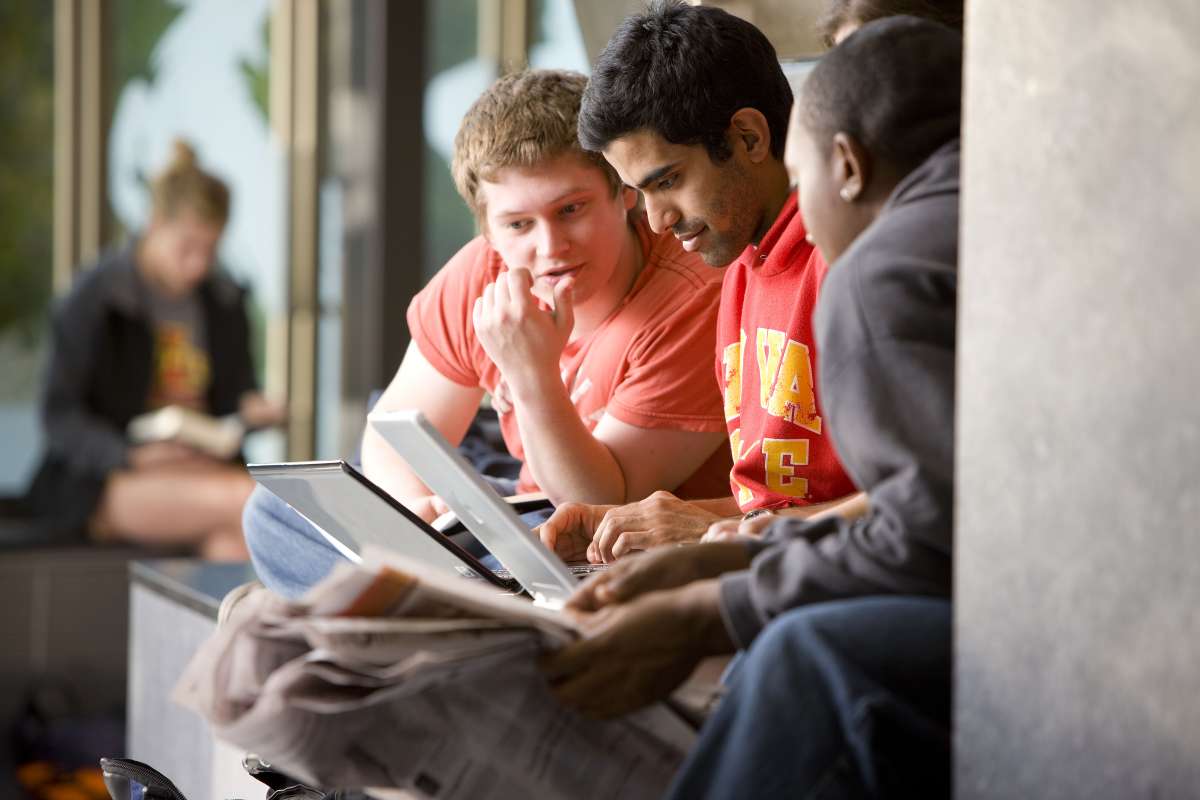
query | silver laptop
(350,511)
(481,510)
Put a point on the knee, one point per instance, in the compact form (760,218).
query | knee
(264,516)
(800,640)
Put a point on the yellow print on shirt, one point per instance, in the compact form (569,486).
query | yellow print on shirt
(781,457)
(732,361)
(744,495)
(785,379)
(181,369)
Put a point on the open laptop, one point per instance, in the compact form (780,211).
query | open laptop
(350,512)
(485,514)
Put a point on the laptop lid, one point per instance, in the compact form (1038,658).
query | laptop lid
(486,515)
(350,512)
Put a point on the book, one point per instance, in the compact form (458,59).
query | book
(220,437)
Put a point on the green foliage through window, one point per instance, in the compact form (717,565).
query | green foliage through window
(26,166)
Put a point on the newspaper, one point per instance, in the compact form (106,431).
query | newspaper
(381,679)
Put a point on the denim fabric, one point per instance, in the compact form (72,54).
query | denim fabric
(839,700)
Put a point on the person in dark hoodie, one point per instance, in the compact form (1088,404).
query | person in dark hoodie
(148,326)
(845,624)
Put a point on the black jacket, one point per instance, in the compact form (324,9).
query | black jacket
(99,375)
(885,326)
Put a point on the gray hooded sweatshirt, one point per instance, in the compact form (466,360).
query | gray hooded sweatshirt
(885,324)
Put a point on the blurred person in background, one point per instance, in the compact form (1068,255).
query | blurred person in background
(152,325)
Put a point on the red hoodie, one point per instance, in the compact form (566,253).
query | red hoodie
(767,367)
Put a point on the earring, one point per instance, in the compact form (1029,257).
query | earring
(846,194)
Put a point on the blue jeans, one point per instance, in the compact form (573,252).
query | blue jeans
(290,556)
(847,699)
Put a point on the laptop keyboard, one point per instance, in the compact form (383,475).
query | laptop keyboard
(580,571)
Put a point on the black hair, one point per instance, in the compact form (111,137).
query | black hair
(895,85)
(682,71)
(839,12)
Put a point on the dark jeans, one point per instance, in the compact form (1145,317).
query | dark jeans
(848,699)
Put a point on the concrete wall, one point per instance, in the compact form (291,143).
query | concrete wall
(1078,539)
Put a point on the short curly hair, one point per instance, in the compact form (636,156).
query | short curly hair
(523,119)
(682,71)
(895,85)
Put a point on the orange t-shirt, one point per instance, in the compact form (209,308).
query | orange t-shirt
(648,365)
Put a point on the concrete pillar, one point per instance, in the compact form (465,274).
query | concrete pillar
(1078,494)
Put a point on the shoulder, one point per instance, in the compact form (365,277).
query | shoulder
(223,289)
(477,258)
(110,280)
(475,265)
(899,280)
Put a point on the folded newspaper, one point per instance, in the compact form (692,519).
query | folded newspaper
(387,677)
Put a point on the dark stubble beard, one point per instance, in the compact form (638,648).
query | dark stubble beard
(738,203)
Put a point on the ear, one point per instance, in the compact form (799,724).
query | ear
(750,133)
(851,166)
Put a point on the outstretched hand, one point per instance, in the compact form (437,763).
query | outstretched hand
(569,530)
(634,654)
(660,519)
(659,570)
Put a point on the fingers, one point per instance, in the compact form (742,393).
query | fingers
(755,526)
(629,541)
(564,305)
(519,287)
(438,505)
(548,532)
(611,526)
(583,677)
(501,401)
(501,293)
(482,311)
(628,580)
(508,299)
(591,594)
(569,660)
(605,540)
(566,532)
(721,531)
(621,521)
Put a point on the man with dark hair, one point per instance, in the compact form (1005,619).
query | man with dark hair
(666,77)
(690,106)
(844,685)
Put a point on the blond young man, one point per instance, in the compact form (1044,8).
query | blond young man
(597,331)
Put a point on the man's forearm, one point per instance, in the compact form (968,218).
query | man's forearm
(851,507)
(567,461)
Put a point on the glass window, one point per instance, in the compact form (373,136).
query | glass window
(199,71)
(457,75)
(26,222)
(557,42)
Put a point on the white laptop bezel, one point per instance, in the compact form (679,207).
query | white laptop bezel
(492,521)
